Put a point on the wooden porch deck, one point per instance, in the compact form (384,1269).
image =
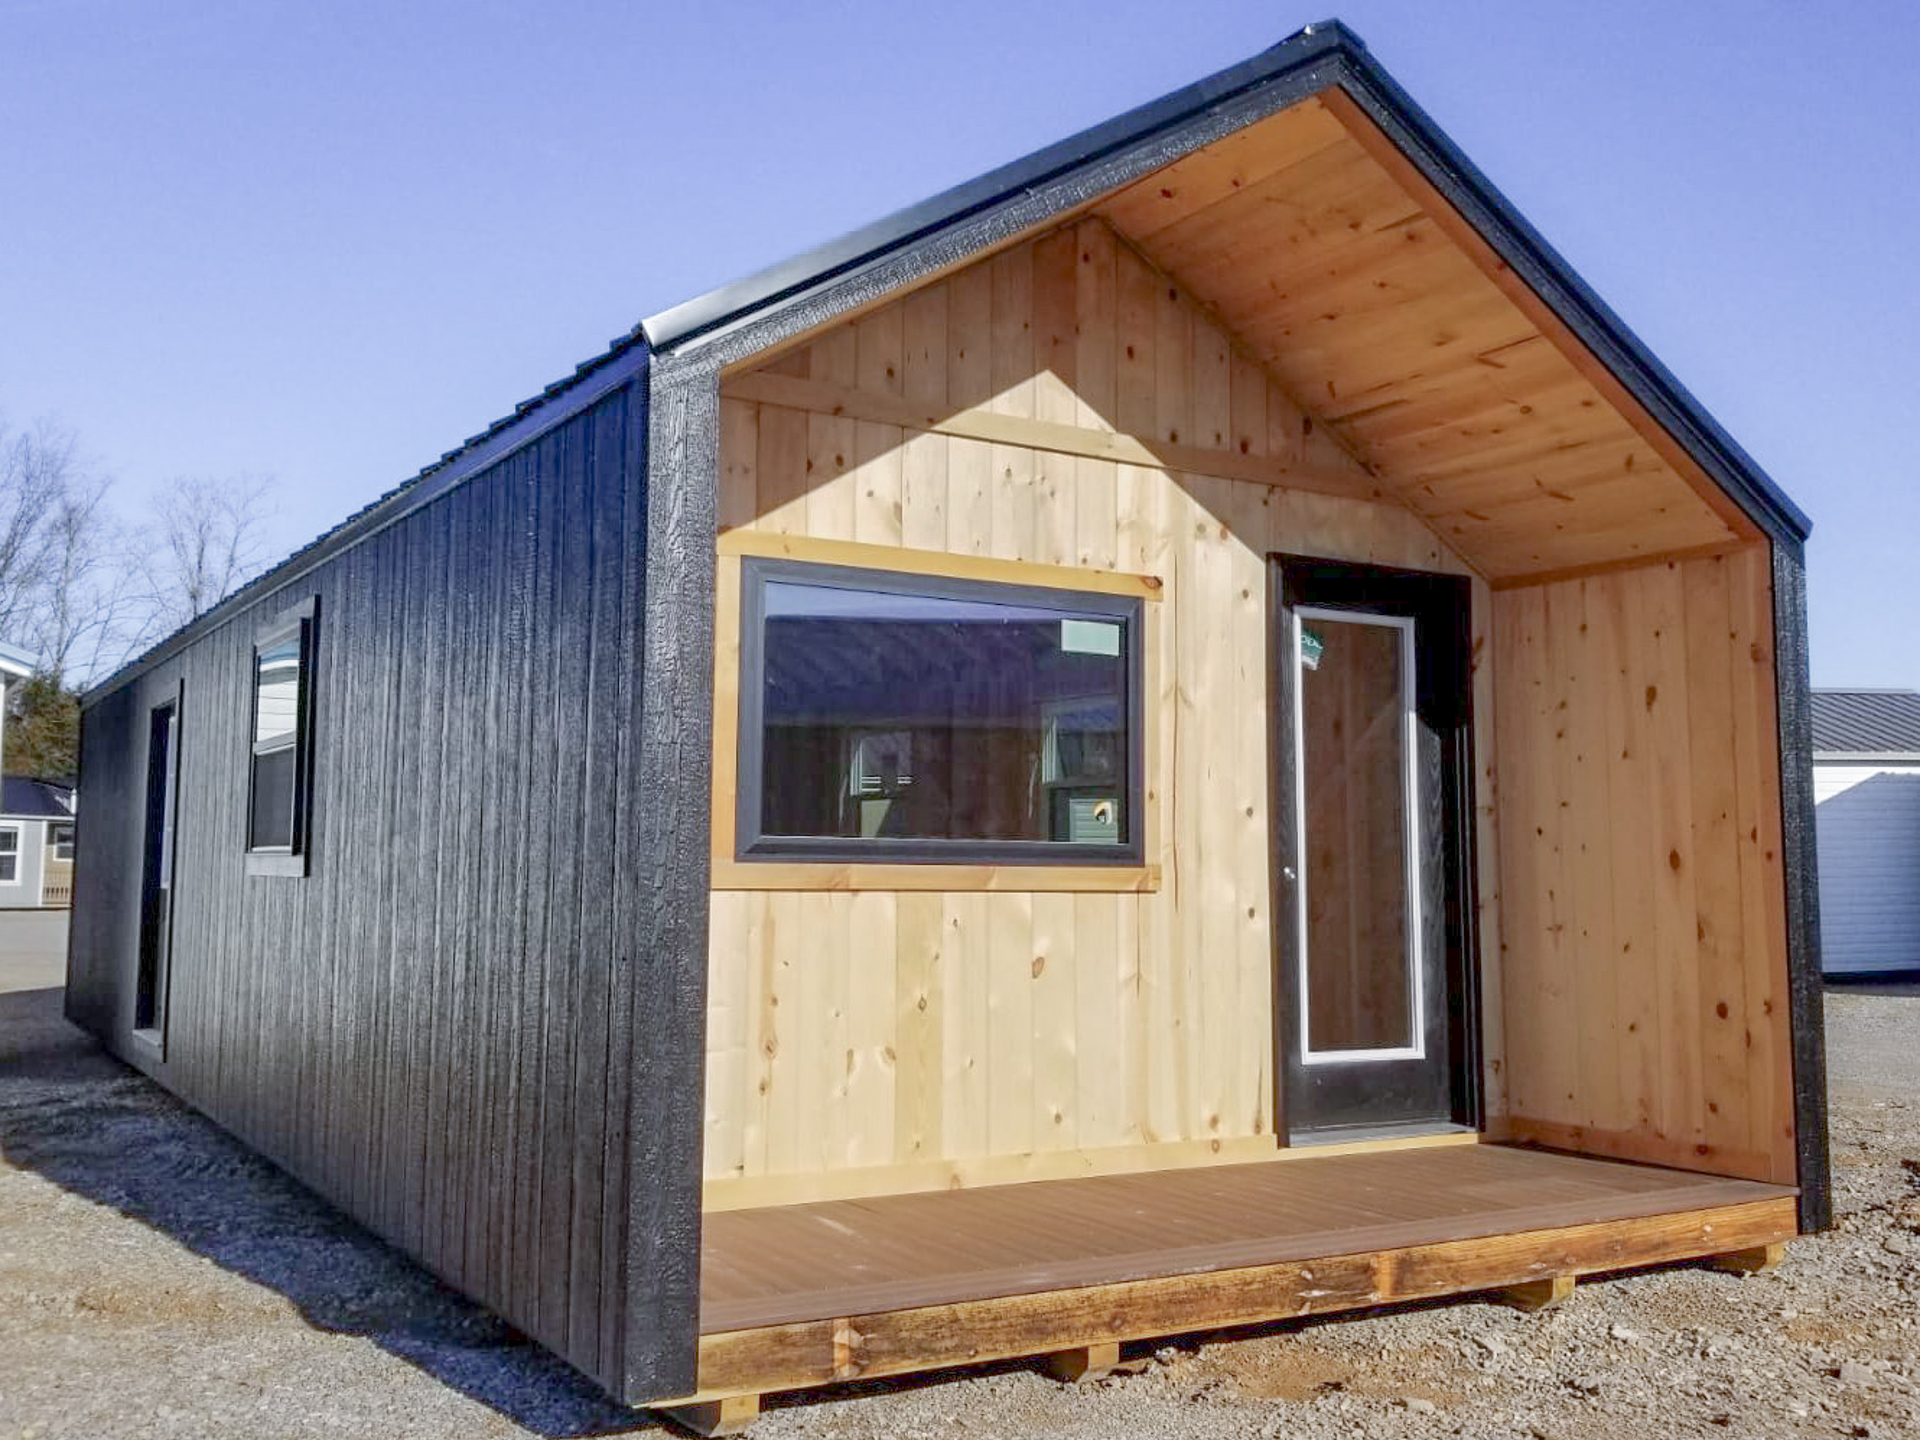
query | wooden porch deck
(813,1294)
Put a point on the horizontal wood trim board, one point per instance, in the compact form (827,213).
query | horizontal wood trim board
(825,1352)
(1639,1146)
(815,397)
(941,564)
(750,1192)
(1614,567)
(946,879)
(1474,245)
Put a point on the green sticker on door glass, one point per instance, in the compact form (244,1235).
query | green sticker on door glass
(1090,637)
(1311,648)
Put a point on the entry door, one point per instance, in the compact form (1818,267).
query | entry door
(1373,890)
(156,889)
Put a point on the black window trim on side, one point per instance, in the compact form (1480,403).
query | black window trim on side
(752,844)
(290,861)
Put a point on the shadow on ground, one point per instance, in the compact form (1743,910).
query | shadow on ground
(76,1116)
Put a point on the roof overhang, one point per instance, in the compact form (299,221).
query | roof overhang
(1344,239)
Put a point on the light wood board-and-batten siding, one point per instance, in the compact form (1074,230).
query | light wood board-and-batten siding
(874,1040)
(1643,884)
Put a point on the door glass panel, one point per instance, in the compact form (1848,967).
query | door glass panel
(1359,955)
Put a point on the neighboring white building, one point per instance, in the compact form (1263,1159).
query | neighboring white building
(37,820)
(15,665)
(1866,792)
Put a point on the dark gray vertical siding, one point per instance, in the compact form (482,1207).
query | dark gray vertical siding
(665,899)
(105,923)
(1805,984)
(429,1028)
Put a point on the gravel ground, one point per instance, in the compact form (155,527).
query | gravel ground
(156,1280)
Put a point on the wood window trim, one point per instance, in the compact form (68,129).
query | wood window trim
(959,876)
(291,861)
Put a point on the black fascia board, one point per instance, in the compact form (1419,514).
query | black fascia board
(1330,53)
(591,382)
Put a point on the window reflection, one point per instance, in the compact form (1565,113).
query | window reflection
(895,714)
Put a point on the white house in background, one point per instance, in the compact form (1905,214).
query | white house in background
(37,819)
(1866,791)
(16,665)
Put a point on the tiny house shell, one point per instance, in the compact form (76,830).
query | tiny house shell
(1348,838)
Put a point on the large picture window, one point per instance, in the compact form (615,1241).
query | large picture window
(277,800)
(892,717)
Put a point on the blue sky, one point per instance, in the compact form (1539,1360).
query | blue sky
(329,242)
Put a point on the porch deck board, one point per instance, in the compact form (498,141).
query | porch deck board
(793,1263)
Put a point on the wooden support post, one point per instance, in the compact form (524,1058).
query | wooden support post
(730,1416)
(1086,1363)
(1538,1294)
(1749,1262)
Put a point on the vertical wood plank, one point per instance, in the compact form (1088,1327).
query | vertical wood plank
(1668,711)
(1721,980)
(1756,756)
(923,483)
(920,994)
(1011,493)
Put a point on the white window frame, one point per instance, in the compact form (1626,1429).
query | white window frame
(1409,781)
(18,831)
(53,846)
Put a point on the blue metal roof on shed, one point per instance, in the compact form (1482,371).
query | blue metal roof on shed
(28,799)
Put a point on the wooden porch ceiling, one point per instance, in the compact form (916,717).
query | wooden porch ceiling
(1382,311)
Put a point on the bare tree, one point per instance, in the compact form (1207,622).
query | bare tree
(210,539)
(88,616)
(38,466)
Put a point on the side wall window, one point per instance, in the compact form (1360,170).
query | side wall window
(9,854)
(280,773)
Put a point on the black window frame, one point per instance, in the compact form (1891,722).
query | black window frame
(753,844)
(291,860)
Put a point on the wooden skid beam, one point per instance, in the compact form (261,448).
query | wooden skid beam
(1539,1294)
(1084,1363)
(822,1352)
(1750,1262)
(728,1416)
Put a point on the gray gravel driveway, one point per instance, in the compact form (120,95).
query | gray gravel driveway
(157,1280)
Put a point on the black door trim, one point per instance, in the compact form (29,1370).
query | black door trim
(1442,608)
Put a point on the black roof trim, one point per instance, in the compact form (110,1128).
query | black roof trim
(1343,57)
(559,402)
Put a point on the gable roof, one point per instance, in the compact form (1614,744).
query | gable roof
(1320,60)
(25,798)
(1866,722)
